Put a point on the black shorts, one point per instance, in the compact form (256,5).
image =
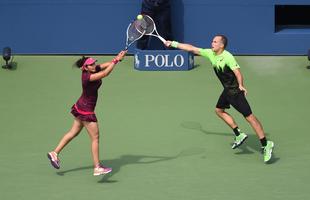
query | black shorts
(238,101)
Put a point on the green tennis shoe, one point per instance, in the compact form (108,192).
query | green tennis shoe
(239,140)
(268,151)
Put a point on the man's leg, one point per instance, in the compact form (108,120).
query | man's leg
(258,128)
(229,120)
(226,117)
(240,103)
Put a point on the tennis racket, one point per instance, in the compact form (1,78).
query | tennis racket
(134,32)
(147,25)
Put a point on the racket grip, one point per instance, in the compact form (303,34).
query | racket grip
(162,39)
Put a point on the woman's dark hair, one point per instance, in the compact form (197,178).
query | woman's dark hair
(79,63)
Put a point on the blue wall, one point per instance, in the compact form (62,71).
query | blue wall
(98,26)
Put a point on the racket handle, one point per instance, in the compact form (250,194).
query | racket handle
(162,39)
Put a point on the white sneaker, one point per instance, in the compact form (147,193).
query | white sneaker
(54,159)
(101,170)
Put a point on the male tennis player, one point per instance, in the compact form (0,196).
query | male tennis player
(228,71)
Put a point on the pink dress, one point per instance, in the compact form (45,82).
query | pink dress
(84,108)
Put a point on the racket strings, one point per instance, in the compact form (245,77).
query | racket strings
(133,33)
(146,24)
(138,28)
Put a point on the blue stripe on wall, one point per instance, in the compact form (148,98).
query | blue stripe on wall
(98,26)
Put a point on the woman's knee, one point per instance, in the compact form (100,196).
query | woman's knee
(94,136)
(75,130)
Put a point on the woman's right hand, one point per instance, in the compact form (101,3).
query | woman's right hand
(121,55)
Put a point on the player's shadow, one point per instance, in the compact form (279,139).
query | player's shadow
(251,144)
(124,160)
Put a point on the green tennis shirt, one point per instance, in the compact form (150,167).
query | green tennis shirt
(223,66)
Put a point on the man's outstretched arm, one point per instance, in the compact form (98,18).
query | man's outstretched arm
(183,46)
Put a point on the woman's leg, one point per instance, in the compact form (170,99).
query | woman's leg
(93,131)
(73,132)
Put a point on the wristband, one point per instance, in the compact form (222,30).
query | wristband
(115,61)
(174,44)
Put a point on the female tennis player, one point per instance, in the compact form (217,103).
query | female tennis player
(83,109)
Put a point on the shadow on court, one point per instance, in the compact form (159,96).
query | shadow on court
(248,147)
(124,160)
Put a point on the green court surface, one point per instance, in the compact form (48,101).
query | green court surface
(158,131)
